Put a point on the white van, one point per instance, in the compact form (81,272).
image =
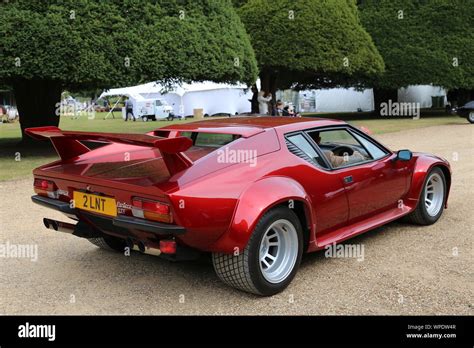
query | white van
(163,110)
(150,109)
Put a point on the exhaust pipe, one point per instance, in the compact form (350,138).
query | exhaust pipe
(139,246)
(152,251)
(59,226)
(84,232)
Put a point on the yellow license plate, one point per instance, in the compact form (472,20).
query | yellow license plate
(95,203)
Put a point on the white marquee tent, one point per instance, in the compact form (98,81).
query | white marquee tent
(351,100)
(336,100)
(421,94)
(216,98)
(212,97)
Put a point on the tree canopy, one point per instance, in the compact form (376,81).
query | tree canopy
(87,44)
(422,42)
(309,43)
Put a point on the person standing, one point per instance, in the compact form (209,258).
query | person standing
(263,100)
(254,107)
(129,109)
(3,114)
(278,108)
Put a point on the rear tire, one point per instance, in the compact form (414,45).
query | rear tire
(432,199)
(271,258)
(109,243)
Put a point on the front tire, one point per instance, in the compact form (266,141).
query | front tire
(432,199)
(271,258)
(470,117)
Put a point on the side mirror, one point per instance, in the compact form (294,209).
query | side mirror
(404,155)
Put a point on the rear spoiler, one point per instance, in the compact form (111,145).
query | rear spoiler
(68,144)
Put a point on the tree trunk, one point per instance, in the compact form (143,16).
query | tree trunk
(383,96)
(265,80)
(37,102)
(459,96)
(269,82)
(273,86)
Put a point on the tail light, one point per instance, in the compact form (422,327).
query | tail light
(168,246)
(151,210)
(46,188)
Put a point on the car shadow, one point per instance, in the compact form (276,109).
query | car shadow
(199,274)
(310,259)
(172,277)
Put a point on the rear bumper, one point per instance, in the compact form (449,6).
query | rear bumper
(130,222)
(120,222)
(62,207)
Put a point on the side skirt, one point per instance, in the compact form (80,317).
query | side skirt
(357,228)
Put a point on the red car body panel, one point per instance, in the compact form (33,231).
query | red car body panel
(219,204)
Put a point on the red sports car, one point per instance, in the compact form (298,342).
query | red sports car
(256,192)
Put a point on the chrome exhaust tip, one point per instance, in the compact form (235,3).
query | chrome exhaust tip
(138,245)
(58,226)
(50,224)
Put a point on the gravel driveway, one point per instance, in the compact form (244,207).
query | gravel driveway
(406,269)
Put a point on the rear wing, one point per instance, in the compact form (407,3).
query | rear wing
(68,144)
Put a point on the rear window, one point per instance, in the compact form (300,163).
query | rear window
(214,140)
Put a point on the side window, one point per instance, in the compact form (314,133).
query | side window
(306,150)
(340,147)
(373,149)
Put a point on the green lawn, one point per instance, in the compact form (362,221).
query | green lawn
(380,126)
(98,124)
(18,162)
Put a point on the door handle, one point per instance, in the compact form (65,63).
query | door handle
(348,179)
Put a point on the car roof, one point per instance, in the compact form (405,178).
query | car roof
(248,126)
(469,104)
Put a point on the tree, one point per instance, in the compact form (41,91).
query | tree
(309,44)
(46,47)
(422,42)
